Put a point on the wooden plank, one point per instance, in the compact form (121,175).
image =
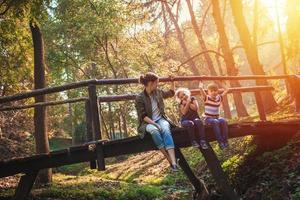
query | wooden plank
(48,103)
(100,157)
(94,106)
(24,187)
(260,106)
(89,131)
(218,174)
(126,97)
(137,145)
(296,91)
(199,186)
(48,90)
(85,83)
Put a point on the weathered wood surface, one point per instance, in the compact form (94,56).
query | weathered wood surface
(24,187)
(136,145)
(218,174)
(199,186)
(96,126)
(89,128)
(46,103)
(294,82)
(85,83)
(126,97)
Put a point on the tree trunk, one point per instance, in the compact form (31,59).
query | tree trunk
(104,125)
(228,57)
(40,114)
(200,39)
(206,55)
(70,110)
(180,39)
(251,51)
(111,122)
(283,58)
(124,121)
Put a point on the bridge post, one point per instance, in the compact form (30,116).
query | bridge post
(24,187)
(201,190)
(260,106)
(94,106)
(294,82)
(218,174)
(89,131)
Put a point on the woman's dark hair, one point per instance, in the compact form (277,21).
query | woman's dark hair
(148,77)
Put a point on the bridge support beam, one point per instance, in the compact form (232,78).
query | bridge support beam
(89,131)
(94,106)
(294,82)
(201,190)
(218,174)
(24,187)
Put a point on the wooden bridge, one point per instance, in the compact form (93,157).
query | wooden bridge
(95,150)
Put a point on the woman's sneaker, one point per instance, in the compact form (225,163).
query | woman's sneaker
(174,168)
(195,144)
(203,144)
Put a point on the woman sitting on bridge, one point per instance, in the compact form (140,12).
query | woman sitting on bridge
(190,118)
(152,119)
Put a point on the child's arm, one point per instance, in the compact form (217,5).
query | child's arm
(194,104)
(226,90)
(202,92)
(185,108)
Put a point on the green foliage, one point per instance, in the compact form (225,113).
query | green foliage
(296,195)
(141,193)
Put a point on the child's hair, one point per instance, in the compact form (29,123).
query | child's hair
(184,90)
(148,77)
(212,86)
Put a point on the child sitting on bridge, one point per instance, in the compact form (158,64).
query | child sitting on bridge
(212,102)
(189,116)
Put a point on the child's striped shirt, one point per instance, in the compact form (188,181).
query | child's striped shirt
(211,106)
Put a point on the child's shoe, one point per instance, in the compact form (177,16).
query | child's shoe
(222,145)
(203,144)
(226,144)
(195,144)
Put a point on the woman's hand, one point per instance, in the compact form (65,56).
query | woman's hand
(172,82)
(158,126)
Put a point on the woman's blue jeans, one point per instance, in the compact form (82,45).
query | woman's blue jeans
(163,138)
(220,128)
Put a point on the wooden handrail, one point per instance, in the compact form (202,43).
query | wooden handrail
(48,103)
(85,83)
(126,97)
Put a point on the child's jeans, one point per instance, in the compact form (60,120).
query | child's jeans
(220,128)
(195,128)
(163,138)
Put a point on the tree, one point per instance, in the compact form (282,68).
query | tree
(40,114)
(251,51)
(228,57)
(180,38)
(293,33)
